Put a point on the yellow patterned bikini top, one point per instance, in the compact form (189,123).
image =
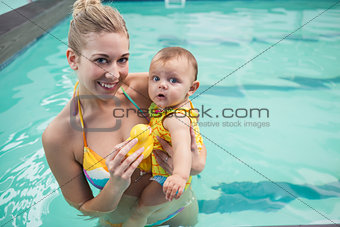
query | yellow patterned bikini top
(94,166)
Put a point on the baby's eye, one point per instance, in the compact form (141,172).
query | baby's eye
(155,78)
(123,60)
(173,80)
(102,61)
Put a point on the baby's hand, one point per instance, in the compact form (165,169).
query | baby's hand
(173,184)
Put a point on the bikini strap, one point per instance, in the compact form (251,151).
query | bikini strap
(135,104)
(76,93)
(192,106)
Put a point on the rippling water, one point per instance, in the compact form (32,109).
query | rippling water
(276,169)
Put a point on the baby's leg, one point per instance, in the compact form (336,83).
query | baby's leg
(151,200)
(152,195)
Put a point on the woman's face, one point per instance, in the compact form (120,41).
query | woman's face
(103,64)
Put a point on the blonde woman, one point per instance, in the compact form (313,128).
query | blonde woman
(99,52)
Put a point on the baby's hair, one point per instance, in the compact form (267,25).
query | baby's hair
(169,53)
(91,16)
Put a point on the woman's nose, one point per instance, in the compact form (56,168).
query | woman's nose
(112,72)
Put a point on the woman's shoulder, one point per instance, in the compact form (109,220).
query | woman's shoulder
(59,132)
(136,85)
(138,81)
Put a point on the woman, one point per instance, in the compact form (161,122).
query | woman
(98,52)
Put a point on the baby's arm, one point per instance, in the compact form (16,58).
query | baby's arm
(179,129)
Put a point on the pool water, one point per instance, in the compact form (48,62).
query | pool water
(277,168)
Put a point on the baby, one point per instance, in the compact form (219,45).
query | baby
(172,79)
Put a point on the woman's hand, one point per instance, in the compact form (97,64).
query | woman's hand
(164,158)
(165,161)
(122,167)
(198,156)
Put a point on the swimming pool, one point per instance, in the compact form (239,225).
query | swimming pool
(277,168)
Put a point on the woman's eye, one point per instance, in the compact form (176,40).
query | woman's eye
(102,61)
(123,60)
(155,78)
(173,80)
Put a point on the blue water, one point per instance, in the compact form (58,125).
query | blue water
(279,168)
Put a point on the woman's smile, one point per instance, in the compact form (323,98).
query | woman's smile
(107,86)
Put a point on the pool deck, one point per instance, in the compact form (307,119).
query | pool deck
(23,25)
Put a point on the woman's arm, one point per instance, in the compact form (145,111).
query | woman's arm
(69,174)
(199,157)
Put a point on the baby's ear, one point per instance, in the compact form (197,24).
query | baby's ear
(193,87)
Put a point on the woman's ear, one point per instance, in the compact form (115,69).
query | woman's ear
(72,59)
(193,87)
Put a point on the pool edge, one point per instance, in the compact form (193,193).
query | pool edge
(23,25)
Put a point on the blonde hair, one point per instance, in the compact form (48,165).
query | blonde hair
(169,53)
(91,16)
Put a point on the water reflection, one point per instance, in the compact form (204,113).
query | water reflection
(264,196)
(25,190)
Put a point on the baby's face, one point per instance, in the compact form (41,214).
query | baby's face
(170,82)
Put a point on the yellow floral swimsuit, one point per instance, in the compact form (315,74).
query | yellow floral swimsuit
(156,122)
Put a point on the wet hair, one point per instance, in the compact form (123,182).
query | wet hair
(169,53)
(91,16)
